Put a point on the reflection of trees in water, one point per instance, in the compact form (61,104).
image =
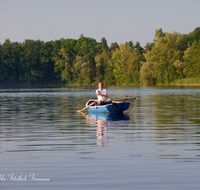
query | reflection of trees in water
(174,119)
(36,108)
(170,109)
(28,109)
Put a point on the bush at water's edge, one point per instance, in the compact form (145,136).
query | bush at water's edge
(189,81)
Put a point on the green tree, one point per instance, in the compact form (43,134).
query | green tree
(163,55)
(195,35)
(3,67)
(63,66)
(159,34)
(114,46)
(69,47)
(146,74)
(31,60)
(138,48)
(105,72)
(56,48)
(99,69)
(87,48)
(182,44)
(126,65)
(192,63)
(82,71)
(104,44)
(64,60)
(47,62)
(148,46)
(11,58)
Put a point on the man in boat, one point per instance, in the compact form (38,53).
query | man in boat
(102,95)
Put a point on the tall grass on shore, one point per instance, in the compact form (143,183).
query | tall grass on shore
(189,81)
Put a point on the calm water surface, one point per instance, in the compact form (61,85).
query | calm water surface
(46,144)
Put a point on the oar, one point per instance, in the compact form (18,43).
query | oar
(125,98)
(86,107)
(129,99)
(114,104)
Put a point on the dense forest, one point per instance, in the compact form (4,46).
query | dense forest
(172,58)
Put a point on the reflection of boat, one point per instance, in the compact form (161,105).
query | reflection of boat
(102,120)
(110,117)
(113,107)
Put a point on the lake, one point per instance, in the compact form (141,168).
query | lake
(46,144)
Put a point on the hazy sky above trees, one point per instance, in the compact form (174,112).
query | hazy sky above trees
(116,20)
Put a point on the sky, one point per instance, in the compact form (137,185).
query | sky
(117,20)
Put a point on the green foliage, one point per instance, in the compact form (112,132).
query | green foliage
(10,58)
(130,44)
(146,74)
(99,67)
(148,46)
(159,34)
(170,57)
(63,66)
(138,48)
(192,63)
(195,35)
(3,67)
(104,44)
(125,64)
(47,61)
(106,72)
(188,81)
(163,55)
(82,71)
(114,46)
(180,66)
(31,60)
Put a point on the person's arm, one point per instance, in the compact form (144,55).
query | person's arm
(97,92)
(105,95)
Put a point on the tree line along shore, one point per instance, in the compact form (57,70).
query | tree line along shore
(172,58)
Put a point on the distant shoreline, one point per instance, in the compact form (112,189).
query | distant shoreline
(77,85)
(187,84)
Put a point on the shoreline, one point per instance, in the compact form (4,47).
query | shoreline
(189,84)
(78,85)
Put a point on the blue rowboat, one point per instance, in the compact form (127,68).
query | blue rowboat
(113,107)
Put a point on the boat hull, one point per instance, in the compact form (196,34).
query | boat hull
(114,107)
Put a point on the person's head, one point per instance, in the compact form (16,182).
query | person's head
(100,85)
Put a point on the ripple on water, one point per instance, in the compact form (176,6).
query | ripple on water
(155,145)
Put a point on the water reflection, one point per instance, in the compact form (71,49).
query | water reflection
(102,120)
(41,133)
